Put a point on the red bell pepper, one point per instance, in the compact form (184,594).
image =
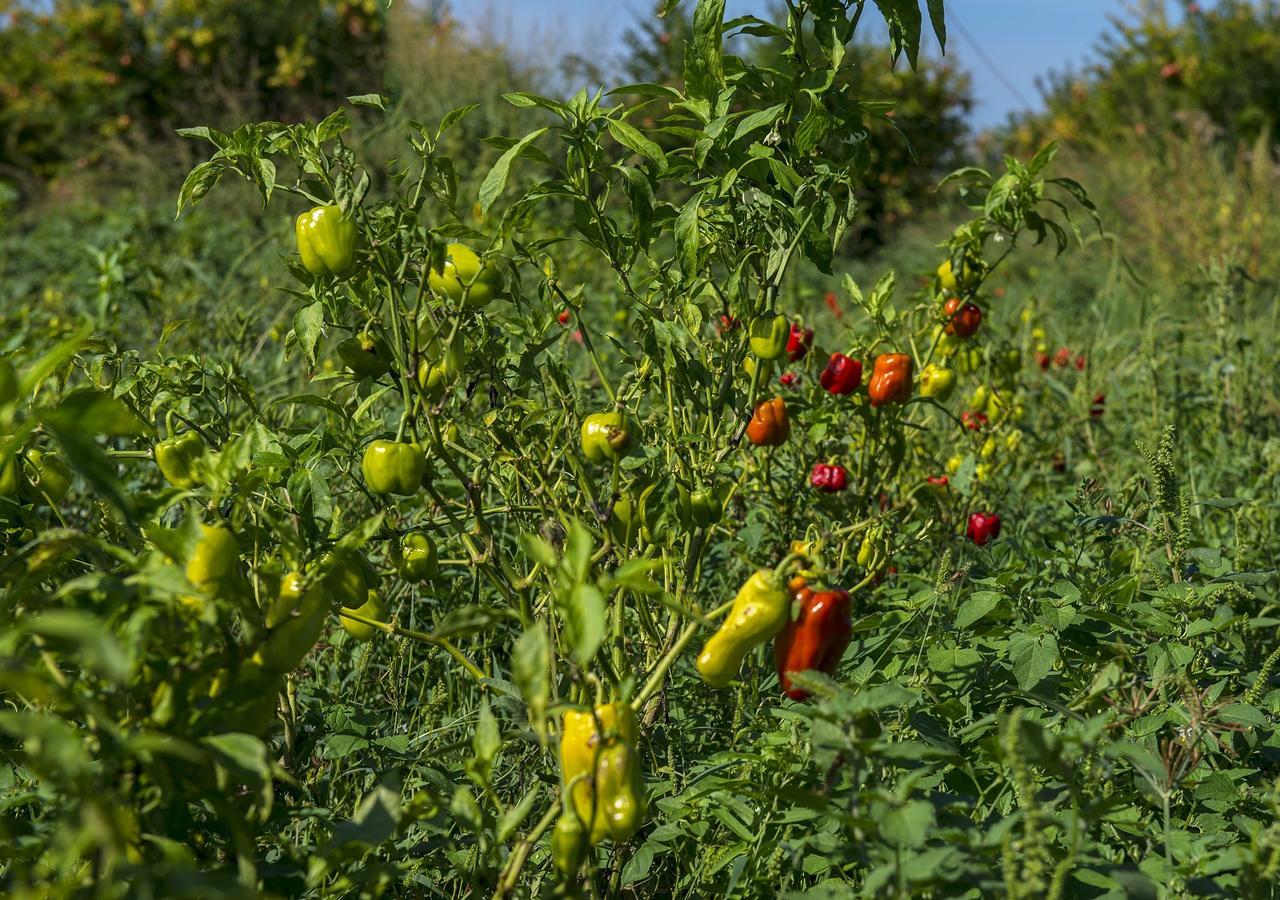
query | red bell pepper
(817,639)
(963,318)
(983,527)
(799,342)
(829,478)
(843,375)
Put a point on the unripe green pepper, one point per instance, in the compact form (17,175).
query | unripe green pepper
(760,610)
(48,478)
(937,382)
(702,507)
(372,608)
(326,241)
(346,576)
(602,770)
(606,436)
(969,361)
(443,361)
(769,334)
(465,276)
(11,481)
(390,467)
(415,557)
(214,563)
(365,356)
(294,619)
(176,457)
(568,843)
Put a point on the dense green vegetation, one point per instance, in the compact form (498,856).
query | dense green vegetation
(1085,706)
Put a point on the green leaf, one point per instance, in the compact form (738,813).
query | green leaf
(1032,658)
(530,662)
(688,235)
(630,137)
(496,180)
(703,63)
(308,325)
(584,612)
(976,607)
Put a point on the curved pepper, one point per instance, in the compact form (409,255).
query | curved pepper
(937,382)
(963,318)
(769,426)
(830,479)
(390,467)
(365,355)
(760,610)
(816,640)
(798,343)
(970,274)
(842,376)
(11,480)
(415,557)
(326,241)
(568,843)
(602,771)
(465,278)
(176,457)
(347,576)
(769,334)
(606,436)
(890,379)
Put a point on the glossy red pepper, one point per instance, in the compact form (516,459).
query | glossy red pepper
(963,317)
(727,324)
(1062,357)
(817,639)
(829,478)
(938,481)
(983,527)
(890,379)
(799,342)
(974,421)
(843,375)
(564,317)
(788,379)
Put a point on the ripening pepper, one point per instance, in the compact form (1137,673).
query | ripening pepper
(974,421)
(963,317)
(799,342)
(176,458)
(365,355)
(606,436)
(372,608)
(873,553)
(760,610)
(326,241)
(769,425)
(890,379)
(294,621)
(983,527)
(214,563)
(842,376)
(347,576)
(828,478)
(602,771)
(701,507)
(937,382)
(465,278)
(816,640)
(750,363)
(938,482)
(391,467)
(415,557)
(970,274)
(769,335)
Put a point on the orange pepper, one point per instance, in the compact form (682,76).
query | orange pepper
(769,427)
(890,379)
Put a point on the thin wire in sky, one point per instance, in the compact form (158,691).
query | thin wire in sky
(986,60)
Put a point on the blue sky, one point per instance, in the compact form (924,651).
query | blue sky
(1020,38)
